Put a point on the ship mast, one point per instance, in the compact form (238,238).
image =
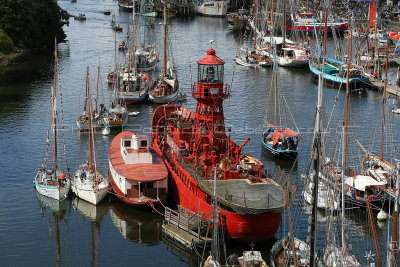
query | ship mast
(133,36)
(90,119)
(316,156)
(54,112)
(255,26)
(344,141)
(165,39)
(347,96)
(384,97)
(97,87)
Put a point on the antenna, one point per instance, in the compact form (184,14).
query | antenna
(211,42)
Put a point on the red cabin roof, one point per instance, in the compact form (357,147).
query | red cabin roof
(141,172)
(210,59)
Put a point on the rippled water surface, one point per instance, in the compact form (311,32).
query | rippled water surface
(35,232)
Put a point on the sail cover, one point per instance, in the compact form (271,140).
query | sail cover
(280,134)
(372,14)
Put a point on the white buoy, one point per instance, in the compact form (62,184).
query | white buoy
(396,110)
(134,113)
(382,216)
(105,131)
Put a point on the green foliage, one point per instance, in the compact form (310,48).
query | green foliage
(32,23)
(6,43)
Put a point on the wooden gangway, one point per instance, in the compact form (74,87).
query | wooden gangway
(187,227)
(392,89)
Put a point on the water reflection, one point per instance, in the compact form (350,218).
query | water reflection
(93,213)
(140,226)
(51,208)
(96,215)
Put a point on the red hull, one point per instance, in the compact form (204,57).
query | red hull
(133,201)
(242,228)
(310,28)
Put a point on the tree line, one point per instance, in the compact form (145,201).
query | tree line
(30,24)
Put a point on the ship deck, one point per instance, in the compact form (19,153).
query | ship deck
(242,195)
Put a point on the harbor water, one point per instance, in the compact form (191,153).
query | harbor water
(37,232)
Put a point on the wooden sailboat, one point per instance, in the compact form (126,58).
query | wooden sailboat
(113,75)
(88,183)
(135,84)
(289,53)
(255,58)
(53,182)
(279,141)
(165,88)
(376,166)
(96,117)
(147,54)
(117,113)
(337,73)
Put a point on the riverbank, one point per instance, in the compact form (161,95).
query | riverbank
(15,57)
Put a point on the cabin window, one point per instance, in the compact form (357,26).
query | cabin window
(127,143)
(143,143)
(205,5)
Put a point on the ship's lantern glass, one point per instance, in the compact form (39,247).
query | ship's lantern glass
(211,73)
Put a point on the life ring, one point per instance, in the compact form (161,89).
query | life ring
(371,197)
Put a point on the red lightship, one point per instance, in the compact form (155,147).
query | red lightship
(195,143)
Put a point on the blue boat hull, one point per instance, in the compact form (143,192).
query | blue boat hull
(279,154)
(337,81)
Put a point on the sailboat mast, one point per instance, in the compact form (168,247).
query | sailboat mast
(347,97)
(326,27)
(90,119)
(384,98)
(315,174)
(54,111)
(343,184)
(255,26)
(215,244)
(271,27)
(97,86)
(396,212)
(133,36)
(115,50)
(165,39)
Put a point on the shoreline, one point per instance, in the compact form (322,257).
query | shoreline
(14,58)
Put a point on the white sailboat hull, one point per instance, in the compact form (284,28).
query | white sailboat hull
(164,99)
(84,189)
(56,192)
(212,8)
(288,62)
(242,62)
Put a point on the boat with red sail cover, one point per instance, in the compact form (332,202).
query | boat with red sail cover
(195,146)
(138,175)
(306,22)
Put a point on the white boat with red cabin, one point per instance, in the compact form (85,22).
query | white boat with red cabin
(306,21)
(195,144)
(138,175)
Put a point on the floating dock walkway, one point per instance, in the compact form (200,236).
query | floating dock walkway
(186,227)
(393,90)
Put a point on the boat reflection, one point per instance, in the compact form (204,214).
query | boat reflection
(140,226)
(284,164)
(49,208)
(96,215)
(190,258)
(92,212)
